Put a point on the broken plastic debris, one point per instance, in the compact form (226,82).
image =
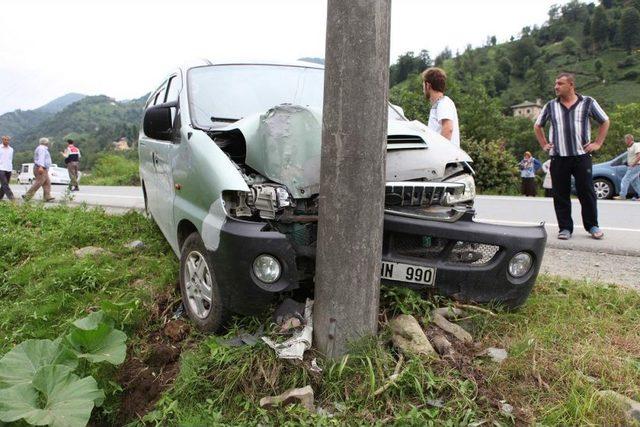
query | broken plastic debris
(243,338)
(294,347)
(289,309)
(179,312)
(314,366)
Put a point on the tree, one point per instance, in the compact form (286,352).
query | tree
(586,28)
(539,80)
(607,4)
(570,46)
(598,67)
(408,64)
(493,40)
(443,56)
(600,27)
(505,67)
(523,49)
(630,28)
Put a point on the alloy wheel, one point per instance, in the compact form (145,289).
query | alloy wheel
(198,285)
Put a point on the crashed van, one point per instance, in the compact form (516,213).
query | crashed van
(230,171)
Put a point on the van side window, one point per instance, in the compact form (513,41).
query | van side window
(173,91)
(159,99)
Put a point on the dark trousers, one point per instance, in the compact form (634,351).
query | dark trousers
(562,168)
(5,177)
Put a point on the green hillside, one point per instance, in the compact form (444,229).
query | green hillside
(599,43)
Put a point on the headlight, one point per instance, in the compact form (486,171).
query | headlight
(469,189)
(520,264)
(266,268)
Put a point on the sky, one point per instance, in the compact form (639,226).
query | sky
(124,48)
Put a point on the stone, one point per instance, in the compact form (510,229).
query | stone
(449,313)
(630,407)
(89,251)
(409,337)
(303,395)
(442,345)
(498,355)
(136,244)
(452,328)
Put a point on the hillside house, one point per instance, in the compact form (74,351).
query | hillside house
(527,109)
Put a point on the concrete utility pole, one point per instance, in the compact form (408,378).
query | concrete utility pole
(354,133)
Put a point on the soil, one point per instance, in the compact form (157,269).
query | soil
(155,364)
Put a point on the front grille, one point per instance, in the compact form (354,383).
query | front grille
(434,248)
(472,253)
(425,194)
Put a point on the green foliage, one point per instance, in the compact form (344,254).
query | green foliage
(37,379)
(115,169)
(408,64)
(570,46)
(523,53)
(496,167)
(600,28)
(630,28)
(624,120)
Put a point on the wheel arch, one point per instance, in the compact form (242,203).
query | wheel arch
(184,230)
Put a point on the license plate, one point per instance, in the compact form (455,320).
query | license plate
(408,273)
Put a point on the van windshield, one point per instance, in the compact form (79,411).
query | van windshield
(225,93)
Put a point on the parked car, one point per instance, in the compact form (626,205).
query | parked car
(607,177)
(57,175)
(230,171)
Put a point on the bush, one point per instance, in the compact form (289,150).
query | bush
(496,168)
(114,169)
(629,61)
(631,75)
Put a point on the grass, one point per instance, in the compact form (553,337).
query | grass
(114,169)
(570,340)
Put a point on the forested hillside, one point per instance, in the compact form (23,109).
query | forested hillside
(599,43)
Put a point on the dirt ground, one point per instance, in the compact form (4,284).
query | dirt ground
(592,266)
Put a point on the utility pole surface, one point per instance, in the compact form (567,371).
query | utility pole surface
(352,173)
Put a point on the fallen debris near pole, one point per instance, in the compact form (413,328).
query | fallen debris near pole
(304,395)
(294,347)
(455,330)
(409,337)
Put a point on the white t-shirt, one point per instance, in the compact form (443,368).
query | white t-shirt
(445,109)
(6,158)
(632,152)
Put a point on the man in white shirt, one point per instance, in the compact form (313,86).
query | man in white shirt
(42,163)
(632,176)
(443,117)
(6,168)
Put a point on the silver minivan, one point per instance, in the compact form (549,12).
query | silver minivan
(230,170)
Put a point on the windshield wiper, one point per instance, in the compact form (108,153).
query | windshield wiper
(223,119)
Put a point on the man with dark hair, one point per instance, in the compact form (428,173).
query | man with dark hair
(6,168)
(570,147)
(72,160)
(443,117)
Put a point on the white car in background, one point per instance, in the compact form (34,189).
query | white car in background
(57,174)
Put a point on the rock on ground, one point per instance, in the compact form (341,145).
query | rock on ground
(628,405)
(498,355)
(90,251)
(304,395)
(449,313)
(455,330)
(409,337)
(136,244)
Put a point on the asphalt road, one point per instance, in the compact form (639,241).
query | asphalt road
(620,220)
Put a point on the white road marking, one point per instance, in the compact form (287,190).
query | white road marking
(551,224)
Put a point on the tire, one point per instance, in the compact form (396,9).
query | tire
(604,188)
(200,292)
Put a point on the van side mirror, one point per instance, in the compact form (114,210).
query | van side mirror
(157,123)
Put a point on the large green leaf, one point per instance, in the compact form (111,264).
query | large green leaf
(103,344)
(57,398)
(20,364)
(93,321)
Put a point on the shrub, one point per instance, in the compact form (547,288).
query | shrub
(114,169)
(629,61)
(631,75)
(496,168)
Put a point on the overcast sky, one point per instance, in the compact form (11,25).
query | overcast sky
(123,48)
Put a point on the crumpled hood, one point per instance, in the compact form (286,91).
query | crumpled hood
(284,145)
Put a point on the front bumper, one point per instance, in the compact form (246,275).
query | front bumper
(471,259)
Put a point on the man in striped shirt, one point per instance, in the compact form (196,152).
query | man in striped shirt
(570,147)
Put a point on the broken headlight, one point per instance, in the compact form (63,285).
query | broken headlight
(469,189)
(263,199)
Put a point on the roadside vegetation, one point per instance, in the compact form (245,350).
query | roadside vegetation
(570,340)
(114,169)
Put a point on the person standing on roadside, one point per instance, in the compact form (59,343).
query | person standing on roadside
(570,147)
(632,176)
(6,168)
(72,159)
(528,167)
(42,163)
(443,116)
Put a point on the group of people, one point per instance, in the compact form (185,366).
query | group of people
(41,165)
(568,143)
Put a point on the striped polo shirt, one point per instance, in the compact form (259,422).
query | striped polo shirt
(570,129)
